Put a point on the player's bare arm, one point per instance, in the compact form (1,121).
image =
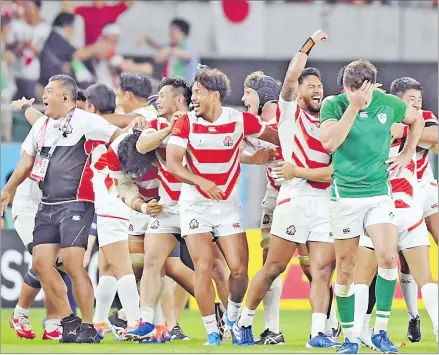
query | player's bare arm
(332,132)
(151,139)
(296,66)
(415,122)
(24,105)
(270,135)
(21,173)
(429,134)
(260,157)
(288,171)
(174,164)
(129,194)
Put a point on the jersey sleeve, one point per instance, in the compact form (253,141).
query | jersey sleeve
(114,167)
(99,129)
(180,132)
(253,126)
(329,110)
(429,118)
(399,107)
(287,110)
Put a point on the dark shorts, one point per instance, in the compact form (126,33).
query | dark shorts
(66,224)
(185,256)
(176,252)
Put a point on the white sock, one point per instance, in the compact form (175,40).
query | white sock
(233,310)
(272,305)
(52,324)
(210,324)
(129,298)
(361,304)
(333,321)
(247,316)
(105,293)
(147,314)
(20,312)
(429,294)
(158,314)
(410,291)
(318,324)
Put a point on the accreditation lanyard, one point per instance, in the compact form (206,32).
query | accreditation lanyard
(41,162)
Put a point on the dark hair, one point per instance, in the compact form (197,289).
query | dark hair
(180,85)
(68,83)
(152,100)
(214,80)
(139,85)
(340,77)
(401,85)
(133,163)
(37,3)
(63,19)
(308,72)
(102,97)
(183,25)
(5,20)
(357,72)
(80,95)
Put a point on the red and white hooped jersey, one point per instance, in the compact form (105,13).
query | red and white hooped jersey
(252,144)
(404,184)
(148,185)
(424,170)
(213,150)
(170,186)
(103,185)
(299,135)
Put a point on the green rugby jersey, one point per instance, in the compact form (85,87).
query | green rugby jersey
(359,162)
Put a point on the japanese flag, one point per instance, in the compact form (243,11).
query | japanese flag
(239,27)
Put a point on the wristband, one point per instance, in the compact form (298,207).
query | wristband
(306,48)
(144,208)
(406,131)
(25,107)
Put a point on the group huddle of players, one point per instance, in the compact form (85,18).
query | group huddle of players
(349,186)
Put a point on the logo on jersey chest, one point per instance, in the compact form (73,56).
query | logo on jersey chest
(364,115)
(228,141)
(382,117)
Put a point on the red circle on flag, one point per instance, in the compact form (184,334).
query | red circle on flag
(236,11)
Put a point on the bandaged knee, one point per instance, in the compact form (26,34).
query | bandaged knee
(31,279)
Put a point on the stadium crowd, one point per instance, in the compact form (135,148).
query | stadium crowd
(153,178)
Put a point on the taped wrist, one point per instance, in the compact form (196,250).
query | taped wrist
(307,46)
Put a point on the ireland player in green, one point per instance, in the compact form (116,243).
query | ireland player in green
(355,127)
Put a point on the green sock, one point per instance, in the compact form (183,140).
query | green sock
(346,308)
(384,291)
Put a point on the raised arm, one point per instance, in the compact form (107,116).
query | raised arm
(24,105)
(297,64)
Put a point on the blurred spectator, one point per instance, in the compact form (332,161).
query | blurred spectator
(179,57)
(109,64)
(59,56)
(96,16)
(8,87)
(27,38)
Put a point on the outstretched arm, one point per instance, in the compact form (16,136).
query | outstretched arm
(297,64)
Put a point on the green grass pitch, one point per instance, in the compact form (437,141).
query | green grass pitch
(294,324)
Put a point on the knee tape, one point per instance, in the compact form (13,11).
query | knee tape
(31,279)
(303,260)
(265,239)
